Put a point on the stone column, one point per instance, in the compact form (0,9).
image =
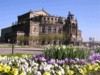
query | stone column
(41,29)
(52,29)
(57,28)
(46,29)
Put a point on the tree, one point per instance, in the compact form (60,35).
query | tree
(33,38)
(20,39)
(53,37)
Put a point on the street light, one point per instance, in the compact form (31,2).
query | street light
(91,41)
(12,36)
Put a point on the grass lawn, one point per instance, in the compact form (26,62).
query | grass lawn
(19,55)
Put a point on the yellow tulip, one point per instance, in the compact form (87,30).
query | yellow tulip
(14,71)
(69,72)
(7,69)
(46,73)
(59,73)
(89,66)
(21,73)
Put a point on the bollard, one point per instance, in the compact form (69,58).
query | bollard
(12,48)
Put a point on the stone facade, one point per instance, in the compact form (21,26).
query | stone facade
(38,24)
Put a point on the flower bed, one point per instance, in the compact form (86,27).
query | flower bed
(61,52)
(41,65)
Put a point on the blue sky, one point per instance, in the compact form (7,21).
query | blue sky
(87,13)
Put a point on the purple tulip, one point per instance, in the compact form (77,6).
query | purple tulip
(42,59)
(41,55)
(94,57)
(33,57)
(66,60)
(72,61)
(36,59)
(48,60)
(77,59)
(60,62)
(82,61)
(90,58)
(93,62)
(52,61)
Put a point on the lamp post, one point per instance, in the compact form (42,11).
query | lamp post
(12,45)
(91,41)
(12,48)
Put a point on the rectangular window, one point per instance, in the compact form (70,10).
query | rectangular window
(43,29)
(54,29)
(60,29)
(49,29)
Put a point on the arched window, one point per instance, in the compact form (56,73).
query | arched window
(34,29)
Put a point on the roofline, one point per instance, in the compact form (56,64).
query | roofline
(40,10)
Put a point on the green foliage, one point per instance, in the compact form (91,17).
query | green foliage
(18,55)
(20,38)
(33,38)
(61,52)
(97,49)
(52,36)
